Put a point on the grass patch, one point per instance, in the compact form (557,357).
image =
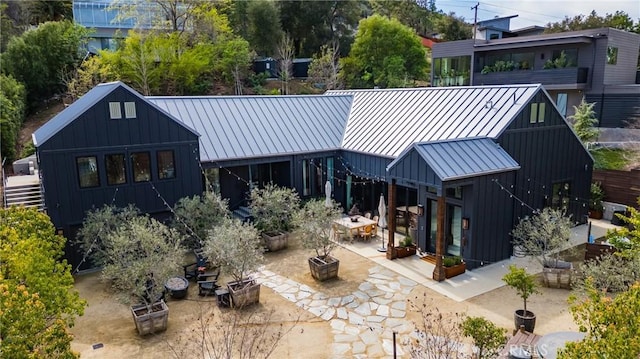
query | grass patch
(610,159)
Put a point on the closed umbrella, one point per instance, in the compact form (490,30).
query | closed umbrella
(382,219)
(327,193)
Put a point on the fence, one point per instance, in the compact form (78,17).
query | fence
(619,186)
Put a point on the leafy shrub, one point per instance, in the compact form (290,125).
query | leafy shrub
(272,208)
(450,261)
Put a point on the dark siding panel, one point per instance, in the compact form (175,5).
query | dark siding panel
(612,110)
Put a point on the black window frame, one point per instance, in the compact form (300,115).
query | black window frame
(162,172)
(97,172)
(124,168)
(134,166)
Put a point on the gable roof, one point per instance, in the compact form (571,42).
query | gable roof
(457,159)
(386,122)
(69,114)
(240,127)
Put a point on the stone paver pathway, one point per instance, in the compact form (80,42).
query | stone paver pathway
(363,322)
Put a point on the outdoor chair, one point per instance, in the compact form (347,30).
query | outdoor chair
(339,233)
(374,227)
(208,282)
(367,215)
(366,234)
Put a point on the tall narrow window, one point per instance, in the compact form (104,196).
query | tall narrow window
(561,195)
(316,166)
(612,55)
(533,118)
(116,173)
(141,166)
(306,179)
(166,167)
(561,102)
(87,168)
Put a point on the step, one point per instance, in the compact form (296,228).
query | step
(23,194)
(27,187)
(24,201)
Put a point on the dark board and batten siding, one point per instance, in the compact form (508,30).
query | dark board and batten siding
(615,110)
(412,169)
(93,133)
(548,153)
(365,165)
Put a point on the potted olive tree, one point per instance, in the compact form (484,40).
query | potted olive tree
(313,223)
(543,236)
(195,216)
(138,255)
(272,208)
(236,247)
(525,285)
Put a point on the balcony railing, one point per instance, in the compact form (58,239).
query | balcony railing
(567,75)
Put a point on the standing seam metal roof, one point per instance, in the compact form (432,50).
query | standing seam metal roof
(457,159)
(240,127)
(386,122)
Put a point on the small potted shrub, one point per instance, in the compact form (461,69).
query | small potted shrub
(595,201)
(138,255)
(237,248)
(272,208)
(406,248)
(314,222)
(453,266)
(543,236)
(525,285)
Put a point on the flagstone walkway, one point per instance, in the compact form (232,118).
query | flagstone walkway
(363,322)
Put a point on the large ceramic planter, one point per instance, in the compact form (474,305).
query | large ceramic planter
(405,251)
(149,322)
(177,287)
(455,270)
(559,276)
(527,320)
(323,268)
(244,293)
(275,241)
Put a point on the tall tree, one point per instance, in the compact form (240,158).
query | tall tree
(264,27)
(38,302)
(285,62)
(162,15)
(584,121)
(39,57)
(409,12)
(12,111)
(618,20)
(452,28)
(50,10)
(385,53)
(324,68)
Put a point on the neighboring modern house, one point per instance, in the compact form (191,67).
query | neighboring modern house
(600,65)
(487,155)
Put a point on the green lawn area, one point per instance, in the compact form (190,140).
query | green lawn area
(610,159)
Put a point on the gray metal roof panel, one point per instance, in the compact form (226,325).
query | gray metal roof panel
(259,126)
(456,159)
(385,122)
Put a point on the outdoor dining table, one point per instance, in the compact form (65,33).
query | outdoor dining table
(354,223)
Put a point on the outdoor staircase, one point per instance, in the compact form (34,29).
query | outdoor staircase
(28,195)
(243,214)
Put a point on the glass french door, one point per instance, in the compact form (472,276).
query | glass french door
(454,230)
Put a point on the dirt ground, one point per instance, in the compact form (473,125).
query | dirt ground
(110,323)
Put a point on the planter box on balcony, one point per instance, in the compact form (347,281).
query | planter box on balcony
(567,75)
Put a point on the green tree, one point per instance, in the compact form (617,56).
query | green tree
(611,325)
(324,68)
(583,120)
(408,12)
(618,20)
(487,337)
(38,302)
(452,28)
(384,50)
(39,57)
(264,28)
(50,10)
(195,216)
(12,112)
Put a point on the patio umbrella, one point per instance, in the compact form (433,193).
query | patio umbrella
(327,193)
(382,219)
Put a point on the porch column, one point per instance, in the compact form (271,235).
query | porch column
(438,271)
(391,220)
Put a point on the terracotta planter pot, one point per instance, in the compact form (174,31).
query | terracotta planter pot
(244,293)
(405,251)
(595,214)
(323,268)
(275,241)
(149,322)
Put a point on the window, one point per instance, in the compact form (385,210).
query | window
(612,55)
(452,71)
(212,179)
(116,173)
(562,58)
(561,194)
(166,167)
(114,110)
(537,112)
(306,179)
(561,102)
(141,166)
(88,171)
(455,192)
(130,110)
